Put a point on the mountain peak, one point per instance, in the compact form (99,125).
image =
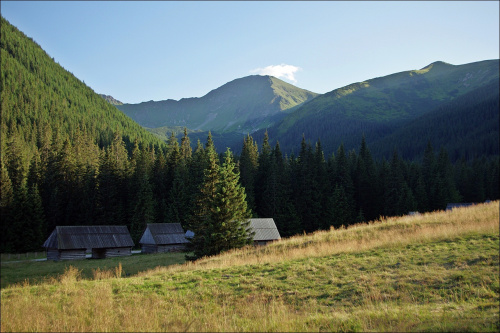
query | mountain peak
(111,99)
(243,105)
(436,64)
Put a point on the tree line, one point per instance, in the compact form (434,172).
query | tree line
(80,183)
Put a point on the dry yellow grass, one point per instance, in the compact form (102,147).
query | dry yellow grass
(383,232)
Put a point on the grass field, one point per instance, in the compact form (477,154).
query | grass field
(431,272)
(36,272)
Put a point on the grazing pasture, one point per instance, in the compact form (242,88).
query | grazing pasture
(36,272)
(430,272)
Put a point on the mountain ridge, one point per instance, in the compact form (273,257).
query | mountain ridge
(378,104)
(111,100)
(239,105)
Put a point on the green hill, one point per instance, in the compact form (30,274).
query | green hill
(40,97)
(467,127)
(379,105)
(65,151)
(430,272)
(242,105)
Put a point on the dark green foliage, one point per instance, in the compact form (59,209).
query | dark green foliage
(248,165)
(221,217)
(453,106)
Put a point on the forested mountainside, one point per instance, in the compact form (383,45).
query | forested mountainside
(40,98)
(53,127)
(242,105)
(378,106)
(467,127)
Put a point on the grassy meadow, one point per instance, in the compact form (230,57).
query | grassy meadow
(430,272)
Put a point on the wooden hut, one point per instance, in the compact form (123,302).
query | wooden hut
(265,231)
(71,242)
(163,237)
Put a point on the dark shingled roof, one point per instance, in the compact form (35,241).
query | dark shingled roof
(163,234)
(96,237)
(265,229)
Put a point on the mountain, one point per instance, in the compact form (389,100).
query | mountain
(467,127)
(242,105)
(111,99)
(378,106)
(40,97)
(67,155)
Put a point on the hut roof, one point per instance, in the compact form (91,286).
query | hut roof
(79,237)
(450,206)
(265,229)
(163,233)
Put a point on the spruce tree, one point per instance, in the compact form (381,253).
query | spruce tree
(232,212)
(248,168)
(186,151)
(221,217)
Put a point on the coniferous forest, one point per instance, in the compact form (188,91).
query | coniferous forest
(70,158)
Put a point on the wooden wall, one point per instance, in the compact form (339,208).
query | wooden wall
(113,252)
(55,254)
(150,248)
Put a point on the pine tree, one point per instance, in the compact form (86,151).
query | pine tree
(232,210)
(201,220)
(186,151)
(261,177)
(221,217)
(365,183)
(143,203)
(248,169)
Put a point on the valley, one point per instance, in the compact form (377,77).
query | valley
(358,182)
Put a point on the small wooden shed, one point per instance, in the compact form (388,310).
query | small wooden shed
(71,242)
(265,231)
(163,237)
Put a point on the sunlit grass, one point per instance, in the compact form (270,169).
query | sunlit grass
(433,272)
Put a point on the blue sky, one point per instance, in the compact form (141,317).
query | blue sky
(141,51)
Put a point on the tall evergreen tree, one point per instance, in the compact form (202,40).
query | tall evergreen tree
(221,217)
(185,150)
(248,165)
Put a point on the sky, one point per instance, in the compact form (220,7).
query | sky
(141,51)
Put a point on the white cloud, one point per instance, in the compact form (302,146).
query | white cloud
(279,71)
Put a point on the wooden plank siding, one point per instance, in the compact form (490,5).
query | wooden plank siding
(55,254)
(110,253)
(151,248)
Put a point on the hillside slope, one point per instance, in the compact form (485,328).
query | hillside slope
(37,93)
(242,105)
(111,100)
(467,127)
(430,272)
(379,105)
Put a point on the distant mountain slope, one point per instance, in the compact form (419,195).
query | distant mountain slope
(467,126)
(242,105)
(378,105)
(111,99)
